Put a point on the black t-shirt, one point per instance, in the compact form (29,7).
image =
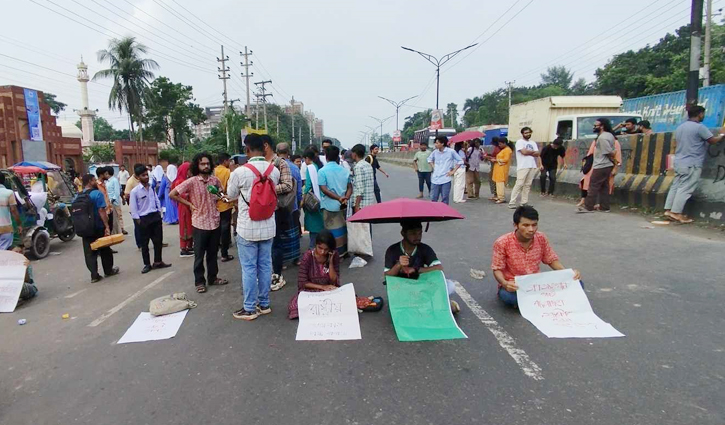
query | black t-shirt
(423,256)
(549,155)
(373,160)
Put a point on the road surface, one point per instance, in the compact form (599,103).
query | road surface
(662,287)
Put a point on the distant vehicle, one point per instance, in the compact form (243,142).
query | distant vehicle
(93,167)
(426,134)
(571,117)
(667,110)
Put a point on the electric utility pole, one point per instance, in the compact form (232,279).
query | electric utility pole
(246,64)
(224,77)
(264,95)
(708,40)
(277,125)
(693,76)
(510,85)
(292,113)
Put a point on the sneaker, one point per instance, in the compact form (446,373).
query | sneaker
(278,282)
(245,315)
(455,308)
(512,207)
(186,253)
(264,310)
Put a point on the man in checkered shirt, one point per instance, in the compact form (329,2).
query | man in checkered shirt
(363,187)
(254,238)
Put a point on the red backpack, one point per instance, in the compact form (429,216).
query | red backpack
(263,197)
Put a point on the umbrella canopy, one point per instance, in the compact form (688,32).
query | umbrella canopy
(40,164)
(27,169)
(466,135)
(401,209)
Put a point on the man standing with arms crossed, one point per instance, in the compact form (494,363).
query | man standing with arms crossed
(526,167)
(222,173)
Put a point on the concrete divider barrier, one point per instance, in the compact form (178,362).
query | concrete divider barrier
(643,180)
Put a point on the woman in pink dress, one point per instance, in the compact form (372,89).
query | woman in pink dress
(319,269)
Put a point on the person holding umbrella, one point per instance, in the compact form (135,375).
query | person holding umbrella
(410,257)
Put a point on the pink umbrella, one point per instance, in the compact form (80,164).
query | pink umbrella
(401,209)
(466,135)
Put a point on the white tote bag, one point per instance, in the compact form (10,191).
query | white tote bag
(359,240)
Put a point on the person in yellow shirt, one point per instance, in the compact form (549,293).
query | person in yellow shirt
(501,169)
(222,172)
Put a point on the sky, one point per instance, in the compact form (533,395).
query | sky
(334,56)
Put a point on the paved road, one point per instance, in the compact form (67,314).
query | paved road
(662,287)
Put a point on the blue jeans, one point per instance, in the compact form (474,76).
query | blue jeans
(256,260)
(509,298)
(441,190)
(423,177)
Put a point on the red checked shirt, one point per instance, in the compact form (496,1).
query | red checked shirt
(206,216)
(513,260)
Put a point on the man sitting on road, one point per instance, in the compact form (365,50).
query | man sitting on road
(520,253)
(409,257)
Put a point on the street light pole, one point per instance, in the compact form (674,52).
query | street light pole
(381,121)
(397,108)
(438,63)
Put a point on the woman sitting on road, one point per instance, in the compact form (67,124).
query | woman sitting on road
(319,269)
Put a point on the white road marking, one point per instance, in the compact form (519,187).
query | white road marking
(117,308)
(75,293)
(506,341)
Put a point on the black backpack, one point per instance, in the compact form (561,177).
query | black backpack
(81,212)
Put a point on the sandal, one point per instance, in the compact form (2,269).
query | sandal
(500,202)
(219,281)
(200,289)
(227,258)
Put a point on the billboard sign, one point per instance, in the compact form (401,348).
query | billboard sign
(436,119)
(35,129)
(396,136)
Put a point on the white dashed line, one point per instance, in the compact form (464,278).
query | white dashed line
(75,293)
(117,308)
(506,341)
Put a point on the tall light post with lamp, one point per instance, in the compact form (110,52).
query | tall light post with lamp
(438,63)
(381,121)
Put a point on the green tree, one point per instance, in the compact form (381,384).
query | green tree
(55,105)
(557,76)
(99,152)
(169,107)
(415,122)
(451,116)
(130,74)
(103,131)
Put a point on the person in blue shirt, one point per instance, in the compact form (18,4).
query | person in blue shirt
(100,220)
(336,189)
(445,162)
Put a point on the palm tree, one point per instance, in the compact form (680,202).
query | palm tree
(130,73)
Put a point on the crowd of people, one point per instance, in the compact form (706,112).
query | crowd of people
(260,199)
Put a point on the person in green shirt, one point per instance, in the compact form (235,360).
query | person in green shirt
(422,167)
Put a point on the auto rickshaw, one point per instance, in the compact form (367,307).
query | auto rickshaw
(46,179)
(34,238)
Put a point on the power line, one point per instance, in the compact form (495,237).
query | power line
(184,20)
(49,69)
(597,37)
(30,47)
(491,36)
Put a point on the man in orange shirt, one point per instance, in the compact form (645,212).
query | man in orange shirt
(222,172)
(521,252)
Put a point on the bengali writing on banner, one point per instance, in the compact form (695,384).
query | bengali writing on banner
(421,309)
(32,108)
(328,315)
(556,304)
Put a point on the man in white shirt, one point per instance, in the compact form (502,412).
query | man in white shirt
(254,237)
(527,165)
(123,177)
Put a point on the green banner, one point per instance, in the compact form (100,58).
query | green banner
(421,308)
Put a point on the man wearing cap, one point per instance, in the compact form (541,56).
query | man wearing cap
(410,257)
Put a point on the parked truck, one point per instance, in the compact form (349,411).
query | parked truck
(571,117)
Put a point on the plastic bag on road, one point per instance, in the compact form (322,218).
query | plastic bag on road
(359,239)
(170,304)
(357,262)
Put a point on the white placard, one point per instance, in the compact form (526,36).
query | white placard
(11,283)
(557,305)
(152,328)
(328,315)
